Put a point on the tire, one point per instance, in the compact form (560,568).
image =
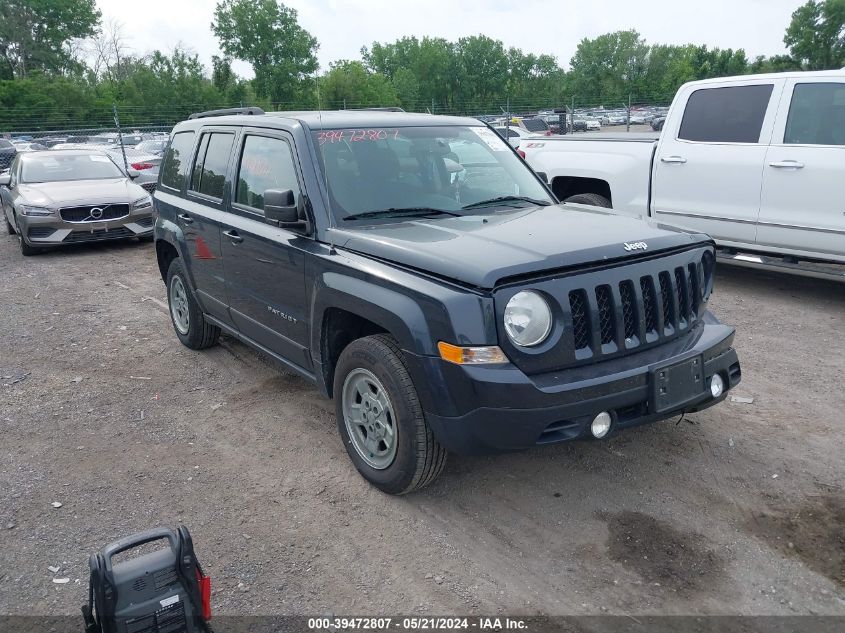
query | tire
(592,199)
(185,314)
(9,228)
(417,457)
(26,249)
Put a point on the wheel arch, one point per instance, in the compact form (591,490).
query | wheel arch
(568,186)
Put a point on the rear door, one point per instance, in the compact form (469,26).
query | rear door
(201,214)
(709,162)
(265,264)
(803,200)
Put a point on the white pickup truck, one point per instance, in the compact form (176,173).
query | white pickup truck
(757,162)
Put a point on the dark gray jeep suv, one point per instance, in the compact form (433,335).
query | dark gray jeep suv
(418,272)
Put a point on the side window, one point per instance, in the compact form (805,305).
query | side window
(266,163)
(176,160)
(199,159)
(726,115)
(209,173)
(816,115)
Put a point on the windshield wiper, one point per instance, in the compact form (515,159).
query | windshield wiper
(492,201)
(400,212)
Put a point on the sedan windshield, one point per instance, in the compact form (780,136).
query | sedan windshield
(57,167)
(402,172)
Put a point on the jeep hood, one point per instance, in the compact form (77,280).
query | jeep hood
(481,250)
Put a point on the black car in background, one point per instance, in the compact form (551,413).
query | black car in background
(7,153)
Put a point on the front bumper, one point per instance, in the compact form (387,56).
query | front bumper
(53,231)
(480,409)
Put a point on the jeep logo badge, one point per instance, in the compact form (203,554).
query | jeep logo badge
(635,246)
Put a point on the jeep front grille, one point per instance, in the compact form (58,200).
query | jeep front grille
(94,212)
(630,313)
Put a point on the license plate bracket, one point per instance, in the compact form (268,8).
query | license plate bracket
(675,385)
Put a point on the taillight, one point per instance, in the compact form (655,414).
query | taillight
(521,153)
(140,166)
(548,132)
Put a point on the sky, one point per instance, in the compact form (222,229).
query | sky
(342,27)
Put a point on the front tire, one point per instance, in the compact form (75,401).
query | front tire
(185,314)
(26,249)
(592,199)
(380,419)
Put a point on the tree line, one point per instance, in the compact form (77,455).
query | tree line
(62,65)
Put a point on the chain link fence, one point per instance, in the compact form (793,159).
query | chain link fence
(135,138)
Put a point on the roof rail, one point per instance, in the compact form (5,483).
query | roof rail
(226,112)
(384,109)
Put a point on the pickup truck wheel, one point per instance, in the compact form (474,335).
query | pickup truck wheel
(380,419)
(188,321)
(593,199)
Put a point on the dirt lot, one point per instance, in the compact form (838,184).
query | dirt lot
(739,509)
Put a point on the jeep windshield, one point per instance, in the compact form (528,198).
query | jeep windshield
(427,171)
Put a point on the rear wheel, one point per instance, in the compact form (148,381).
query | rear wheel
(380,419)
(592,199)
(187,318)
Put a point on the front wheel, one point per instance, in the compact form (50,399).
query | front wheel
(380,419)
(187,317)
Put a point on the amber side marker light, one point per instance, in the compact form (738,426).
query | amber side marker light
(471,355)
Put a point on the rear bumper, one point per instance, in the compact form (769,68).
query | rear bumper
(482,410)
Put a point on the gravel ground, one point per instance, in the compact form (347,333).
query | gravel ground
(737,510)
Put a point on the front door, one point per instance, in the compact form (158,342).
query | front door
(265,264)
(803,202)
(708,166)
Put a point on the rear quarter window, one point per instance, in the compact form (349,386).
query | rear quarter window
(176,160)
(732,114)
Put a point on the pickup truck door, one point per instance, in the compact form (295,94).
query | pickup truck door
(803,200)
(709,160)
(265,264)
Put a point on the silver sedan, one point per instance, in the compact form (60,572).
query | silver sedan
(70,196)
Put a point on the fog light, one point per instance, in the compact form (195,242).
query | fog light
(717,386)
(601,425)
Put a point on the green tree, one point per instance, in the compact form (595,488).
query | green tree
(611,66)
(266,34)
(350,84)
(816,35)
(34,34)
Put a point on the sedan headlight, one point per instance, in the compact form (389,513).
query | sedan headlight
(528,318)
(142,203)
(35,211)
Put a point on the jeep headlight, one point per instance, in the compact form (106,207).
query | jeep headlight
(31,211)
(142,203)
(528,318)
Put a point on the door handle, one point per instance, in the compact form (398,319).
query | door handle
(187,219)
(787,164)
(673,159)
(232,234)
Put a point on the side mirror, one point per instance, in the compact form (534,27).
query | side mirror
(133,173)
(280,206)
(5,179)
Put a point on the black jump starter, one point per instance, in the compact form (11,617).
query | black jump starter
(164,591)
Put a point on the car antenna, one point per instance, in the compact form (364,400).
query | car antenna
(325,176)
